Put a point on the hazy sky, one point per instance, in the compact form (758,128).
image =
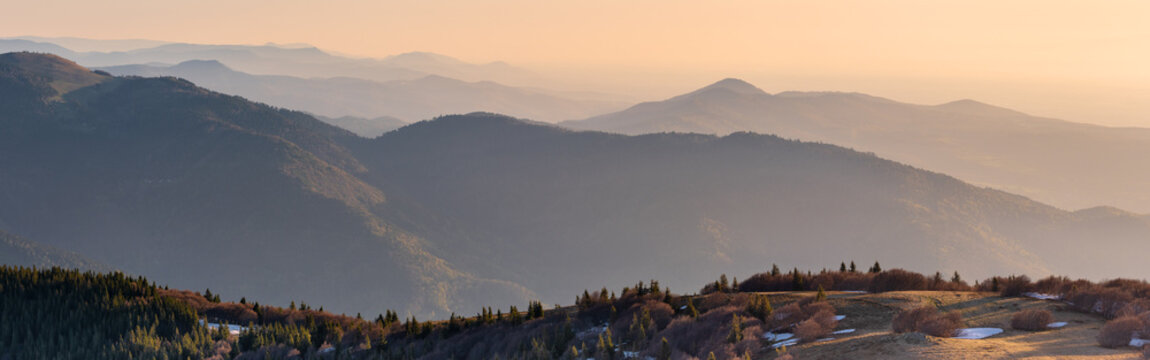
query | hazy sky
(1078,60)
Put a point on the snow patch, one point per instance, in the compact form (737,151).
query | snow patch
(1041,296)
(232,328)
(791,342)
(1139,343)
(855,291)
(824,339)
(977,333)
(1055,325)
(840,317)
(773,337)
(843,331)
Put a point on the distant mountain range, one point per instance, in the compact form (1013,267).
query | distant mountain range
(156,176)
(406,100)
(15,250)
(1068,164)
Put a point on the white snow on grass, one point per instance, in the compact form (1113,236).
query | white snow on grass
(684,307)
(791,342)
(1055,325)
(855,291)
(977,333)
(773,337)
(840,317)
(232,328)
(843,331)
(1041,296)
(1139,343)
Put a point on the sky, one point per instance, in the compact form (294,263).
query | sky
(1075,60)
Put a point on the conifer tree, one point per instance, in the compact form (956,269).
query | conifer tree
(691,310)
(876,268)
(736,334)
(723,284)
(853,267)
(843,267)
(664,351)
(734,284)
(775,270)
(956,279)
(822,295)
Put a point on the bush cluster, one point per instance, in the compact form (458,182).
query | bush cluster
(927,320)
(1031,320)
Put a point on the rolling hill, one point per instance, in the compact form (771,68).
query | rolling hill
(408,100)
(196,189)
(679,206)
(1069,165)
(159,177)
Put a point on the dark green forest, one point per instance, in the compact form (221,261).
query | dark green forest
(69,314)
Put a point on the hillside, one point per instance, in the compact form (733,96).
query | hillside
(58,313)
(408,100)
(1053,161)
(159,177)
(535,203)
(156,176)
(18,251)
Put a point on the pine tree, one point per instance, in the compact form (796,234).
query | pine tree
(664,351)
(734,284)
(956,279)
(723,284)
(853,267)
(736,334)
(797,280)
(843,267)
(822,295)
(691,310)
(876,268)
(775,270)
(711,356)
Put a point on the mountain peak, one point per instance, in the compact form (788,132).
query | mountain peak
(202,65)
(968,106)
(734,85)
(63,75)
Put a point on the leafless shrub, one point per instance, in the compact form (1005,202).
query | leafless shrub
(1118,332)
(1015,285)
(942,326)
(786,316)
(909,320)
(897,280)
(1031,320)
(810,330)
(927,320)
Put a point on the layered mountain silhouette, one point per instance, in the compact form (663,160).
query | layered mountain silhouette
(159,177)
(15,250)
(196,189)
(300,61)
(1067,164)
(406,100)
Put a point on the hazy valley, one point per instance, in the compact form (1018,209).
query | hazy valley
(334,206)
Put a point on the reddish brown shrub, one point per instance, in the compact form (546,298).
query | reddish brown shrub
(1118,332)
(897,280)
(1015,285)
(1031,320)
(909,320)
(816,307)
(928,321)
(826,319)
(786,316)
(942,326)
(811,330)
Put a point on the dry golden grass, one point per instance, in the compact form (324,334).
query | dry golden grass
(871,315)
